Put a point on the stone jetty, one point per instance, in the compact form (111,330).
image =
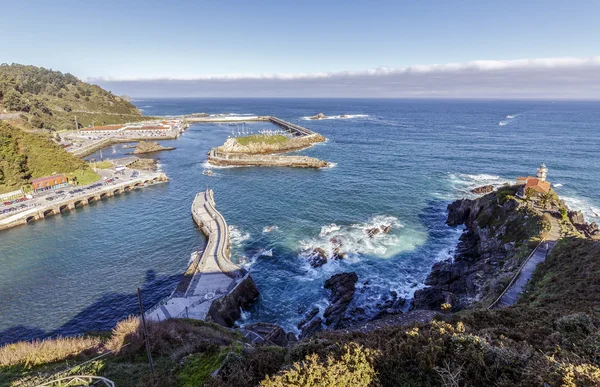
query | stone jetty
(213,288)
(301,137)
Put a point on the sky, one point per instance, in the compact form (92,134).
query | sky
(306,48)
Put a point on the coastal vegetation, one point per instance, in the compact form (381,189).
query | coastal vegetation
(26,155)
(550,337)
(50,100)
(265,144)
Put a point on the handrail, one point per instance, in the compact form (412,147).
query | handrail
(512,281)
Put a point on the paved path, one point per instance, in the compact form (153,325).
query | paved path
(511,295)
(215,275)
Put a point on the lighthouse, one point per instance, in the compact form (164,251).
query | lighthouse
(542,171)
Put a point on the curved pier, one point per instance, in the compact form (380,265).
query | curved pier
(211,275)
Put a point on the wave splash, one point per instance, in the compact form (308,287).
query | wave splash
(379,237)
(463,183)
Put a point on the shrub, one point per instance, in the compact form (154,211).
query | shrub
(578,324)
(354,368)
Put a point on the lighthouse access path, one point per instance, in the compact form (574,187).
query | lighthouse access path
(211,274)
(519,282)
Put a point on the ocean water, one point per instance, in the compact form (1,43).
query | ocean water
(397,162)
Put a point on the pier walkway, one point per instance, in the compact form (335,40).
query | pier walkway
(211,274)
(43,208)
(519,282)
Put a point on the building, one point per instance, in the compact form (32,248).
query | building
(10,196)
(538,183)
(105,129)
(49,182)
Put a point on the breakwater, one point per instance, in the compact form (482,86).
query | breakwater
(79,200)
(239,159)
(227,155)
(211,274)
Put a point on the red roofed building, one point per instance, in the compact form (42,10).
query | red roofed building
(49,182)
(538,184)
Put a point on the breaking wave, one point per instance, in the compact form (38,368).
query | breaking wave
(502,123)
(463,183)
(380,236)
(590,211)
(236,236)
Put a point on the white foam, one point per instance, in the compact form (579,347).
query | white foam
(463,183)
(270,229)
(557,185)
(354,239)
(511,116)
(590,211)
(502,123)
(339,117)
(236,236)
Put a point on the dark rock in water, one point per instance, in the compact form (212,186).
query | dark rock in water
(315,325)
(338,254)
(342,288)
(371,232)
(344,116)
(318,257)
(308,316)
(226,310)
(386,229)
(483,189)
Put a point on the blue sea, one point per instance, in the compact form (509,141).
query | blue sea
(396,162)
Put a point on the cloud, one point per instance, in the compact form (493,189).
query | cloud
(523,78)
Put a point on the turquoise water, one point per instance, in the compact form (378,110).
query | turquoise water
(397,162)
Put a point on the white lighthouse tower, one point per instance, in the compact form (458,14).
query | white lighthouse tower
(542,171)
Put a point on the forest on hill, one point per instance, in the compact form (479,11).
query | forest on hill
(26,155)
(51,100)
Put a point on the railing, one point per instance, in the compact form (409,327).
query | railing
(514,278)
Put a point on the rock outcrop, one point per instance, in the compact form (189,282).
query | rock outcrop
(149,147)
(589,230)
(318,257)
(485,189)
(342,288)
(486,254)
(319,116)
(226,310)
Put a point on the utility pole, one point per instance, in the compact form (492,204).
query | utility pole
(76,124)
(146,338)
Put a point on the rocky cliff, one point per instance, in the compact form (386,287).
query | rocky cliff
(226,310)
(500,231)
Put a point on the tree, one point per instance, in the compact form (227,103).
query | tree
(545,199)
(529,193)
(15,102)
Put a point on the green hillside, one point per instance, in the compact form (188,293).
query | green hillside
(26,155)
(51,100)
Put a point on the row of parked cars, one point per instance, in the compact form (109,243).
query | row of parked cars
(61,194)
(10,202)
(12,209)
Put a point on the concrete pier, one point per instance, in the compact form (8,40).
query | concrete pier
(211,274)
(82,199)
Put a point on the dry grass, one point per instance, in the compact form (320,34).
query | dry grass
(175,338)
(29,354)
